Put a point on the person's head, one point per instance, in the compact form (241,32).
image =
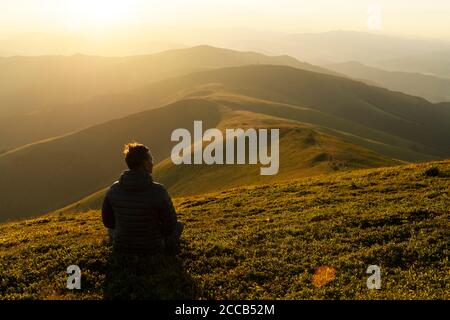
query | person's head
(138,157)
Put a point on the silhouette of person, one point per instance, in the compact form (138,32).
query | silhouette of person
(138,212)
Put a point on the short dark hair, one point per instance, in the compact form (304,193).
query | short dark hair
(135,154)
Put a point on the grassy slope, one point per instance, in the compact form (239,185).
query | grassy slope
(354,132)
(304,151)
(257,243)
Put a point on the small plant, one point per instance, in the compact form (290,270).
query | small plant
(353,186)
(432,172)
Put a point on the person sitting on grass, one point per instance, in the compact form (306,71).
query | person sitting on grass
(138,212)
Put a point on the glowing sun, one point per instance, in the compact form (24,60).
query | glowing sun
(90,14)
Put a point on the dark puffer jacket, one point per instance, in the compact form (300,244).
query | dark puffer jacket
(141,213)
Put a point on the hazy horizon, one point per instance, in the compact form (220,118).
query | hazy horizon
(175,20)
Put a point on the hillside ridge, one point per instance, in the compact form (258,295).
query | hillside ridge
(305,150)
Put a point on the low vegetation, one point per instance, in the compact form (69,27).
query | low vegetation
(262,242)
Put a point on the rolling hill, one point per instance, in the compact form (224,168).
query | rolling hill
(42,97)
(432,88)
(413,123)
(29,84)
(264,242)
(305,150)
(64,169)
(417,123)
(349,118)
(71,167)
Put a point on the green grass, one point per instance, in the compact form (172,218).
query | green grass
(262,242)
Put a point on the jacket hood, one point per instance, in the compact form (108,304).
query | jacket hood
(135,180)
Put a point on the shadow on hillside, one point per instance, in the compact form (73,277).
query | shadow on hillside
(140,277)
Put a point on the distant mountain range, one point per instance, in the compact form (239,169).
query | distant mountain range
(42,97)
(336,46)
(430,87)
(435,63)
(341,46)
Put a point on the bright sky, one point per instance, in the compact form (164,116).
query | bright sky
(424,18)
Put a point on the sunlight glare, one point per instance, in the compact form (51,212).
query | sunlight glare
(95,14)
